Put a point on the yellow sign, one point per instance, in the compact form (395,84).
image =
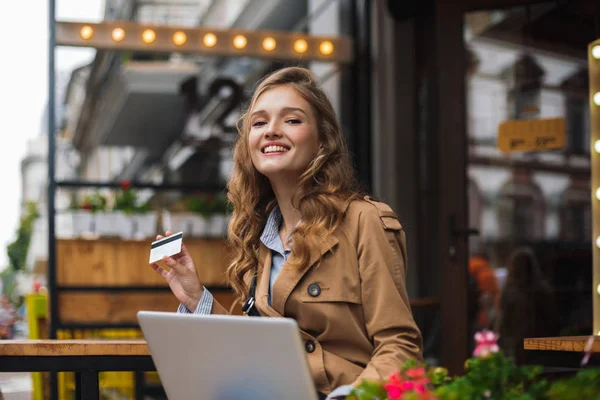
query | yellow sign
(532,135)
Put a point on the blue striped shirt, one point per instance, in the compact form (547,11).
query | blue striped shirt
(271,239)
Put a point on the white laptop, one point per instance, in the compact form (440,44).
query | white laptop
(219,357)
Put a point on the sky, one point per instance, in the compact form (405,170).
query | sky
(24,39)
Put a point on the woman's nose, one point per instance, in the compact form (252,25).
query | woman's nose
(273,131)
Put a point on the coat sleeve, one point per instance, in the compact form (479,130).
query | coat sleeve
(388,317)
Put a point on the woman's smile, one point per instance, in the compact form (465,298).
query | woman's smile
(274,149)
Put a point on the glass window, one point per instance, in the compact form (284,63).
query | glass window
(537,241)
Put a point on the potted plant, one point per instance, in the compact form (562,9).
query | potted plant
(184,217)
(134,220)
(74,221)
(111,223)
(84,214)
(123,209)
(489,374)
(218,217)
(145,221)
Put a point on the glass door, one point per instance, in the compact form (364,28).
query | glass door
(530,268)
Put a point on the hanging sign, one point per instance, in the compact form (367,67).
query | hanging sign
(532,135)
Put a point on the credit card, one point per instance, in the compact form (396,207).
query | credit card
(167,246)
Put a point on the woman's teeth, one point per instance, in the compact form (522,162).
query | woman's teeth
(275,149)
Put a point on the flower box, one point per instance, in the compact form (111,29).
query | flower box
(217,225)
(74,223)
(113,224)
(145,225)
(191,224)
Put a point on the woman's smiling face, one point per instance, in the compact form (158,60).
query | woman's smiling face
(283,137)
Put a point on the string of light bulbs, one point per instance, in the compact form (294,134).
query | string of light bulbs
(121,35)
(594,74)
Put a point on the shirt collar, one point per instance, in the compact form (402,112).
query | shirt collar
(270,234)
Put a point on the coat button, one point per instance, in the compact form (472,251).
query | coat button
(310,346)
(314,290)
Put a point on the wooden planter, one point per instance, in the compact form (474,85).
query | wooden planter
(107,281)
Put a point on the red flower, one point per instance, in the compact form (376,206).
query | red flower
(416,373)
(86,206)
(413,380)
(125,184)
(394,387)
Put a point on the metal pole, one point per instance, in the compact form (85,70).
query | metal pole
(355,82)
(52,188)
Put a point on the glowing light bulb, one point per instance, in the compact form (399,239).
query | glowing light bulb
(86,32)
(597,146)
(598,193)
(269,44)
(179,38)
(148,36)
(326,48)
(209,40)
(598,242)
(300,46)
(597,98)
(240,41)
(596,52)
(118,34)
(598,289)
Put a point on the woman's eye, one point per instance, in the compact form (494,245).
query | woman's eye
(258,124)
(294,121)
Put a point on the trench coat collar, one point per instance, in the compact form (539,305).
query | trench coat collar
(289,277)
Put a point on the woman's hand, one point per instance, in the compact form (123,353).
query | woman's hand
(182,278)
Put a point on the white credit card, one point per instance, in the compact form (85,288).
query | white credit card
(167,246)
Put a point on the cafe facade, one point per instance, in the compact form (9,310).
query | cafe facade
(421,90)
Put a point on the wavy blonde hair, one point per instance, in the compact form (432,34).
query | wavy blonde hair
(324,189)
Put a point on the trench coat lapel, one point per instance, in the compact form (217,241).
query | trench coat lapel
(262,286)
(289,277)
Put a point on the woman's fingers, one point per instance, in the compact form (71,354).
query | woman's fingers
(171,263)
(167,233)
(184,251)
(159,270)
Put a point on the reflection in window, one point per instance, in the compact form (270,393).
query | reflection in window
(520,211)
(575,89)
(576,124)
(576,215)
(524,80)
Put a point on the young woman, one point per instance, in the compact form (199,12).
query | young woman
(306,245)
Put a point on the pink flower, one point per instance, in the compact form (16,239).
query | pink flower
(486,344)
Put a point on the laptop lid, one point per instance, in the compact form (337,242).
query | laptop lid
(218,357)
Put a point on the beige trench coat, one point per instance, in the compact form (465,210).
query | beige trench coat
(352,307)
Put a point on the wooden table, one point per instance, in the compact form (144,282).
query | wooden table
(563,354)
(84,357)
(562,343)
